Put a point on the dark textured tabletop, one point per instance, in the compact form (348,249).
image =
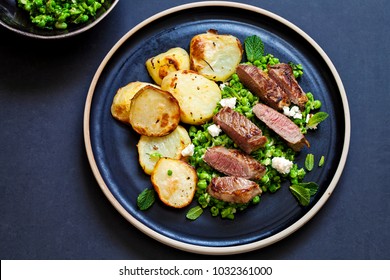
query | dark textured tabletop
(51,205)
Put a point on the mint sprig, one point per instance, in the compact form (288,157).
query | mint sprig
(194,213)
(254,48)
(316,119)
(304,191)
(146,199)
(309,162)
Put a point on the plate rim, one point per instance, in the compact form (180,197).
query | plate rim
(60,36)
(223,250)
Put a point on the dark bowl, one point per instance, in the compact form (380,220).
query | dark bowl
(17,20)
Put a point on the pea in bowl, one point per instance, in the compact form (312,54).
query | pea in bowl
(53,19)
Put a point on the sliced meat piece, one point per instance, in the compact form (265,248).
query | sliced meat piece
(282,125)
(258,82)
(283,75)
(232,162)
(233,189)
(240,129)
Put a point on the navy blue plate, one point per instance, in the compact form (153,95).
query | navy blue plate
(111,146)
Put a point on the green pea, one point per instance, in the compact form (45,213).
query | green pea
(256,200)
(202,184)
(214,211)
(204,176)
(61,25)
(317,104)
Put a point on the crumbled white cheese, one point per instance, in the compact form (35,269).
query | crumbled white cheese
(188,151)
(228,102)
(214,130)
(293,112)
(282,165)
(308,116)
(286,110)
(221,86)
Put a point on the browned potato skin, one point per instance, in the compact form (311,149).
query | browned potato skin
(215,56)
(162,64)
(150,119)
(177,189)
(120,108)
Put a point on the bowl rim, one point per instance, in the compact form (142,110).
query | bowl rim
(60,36)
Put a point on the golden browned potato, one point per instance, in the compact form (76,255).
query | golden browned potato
(154,112)
(172,60)
(197,95)
(120,107)
(151,149)
(174,181)
(215,56)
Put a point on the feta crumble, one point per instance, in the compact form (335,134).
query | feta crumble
(214,130)
(221,86)
(293,112)
(282,165)
(228,102)
(188,151)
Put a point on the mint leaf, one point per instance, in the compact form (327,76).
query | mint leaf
(194,213)
(322,161)
(146,199)
(311,186)
(254,48)
(317,118)
(301,193)
(309,162)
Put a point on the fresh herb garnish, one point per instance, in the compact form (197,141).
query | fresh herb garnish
(146,199)
(303,192)
(194,213)
(316,119)
(254,48)
(311,186)
(309,162)
(321,162)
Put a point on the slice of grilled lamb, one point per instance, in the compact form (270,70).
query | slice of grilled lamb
(258,82)
(240,129)
(233,189)
(232,162)
(283,75)
(282,125)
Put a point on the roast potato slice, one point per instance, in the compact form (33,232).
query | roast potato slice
(215,56)
(151,149)
(120,108)
(197,95)
(154,112)
(174,181)
(172,60)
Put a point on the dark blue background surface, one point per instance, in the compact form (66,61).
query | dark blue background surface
(51,206)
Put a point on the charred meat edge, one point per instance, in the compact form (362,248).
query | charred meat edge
(282,126)
(240,129)
(233,189)
(283,75)
(232,162)
(260,84)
